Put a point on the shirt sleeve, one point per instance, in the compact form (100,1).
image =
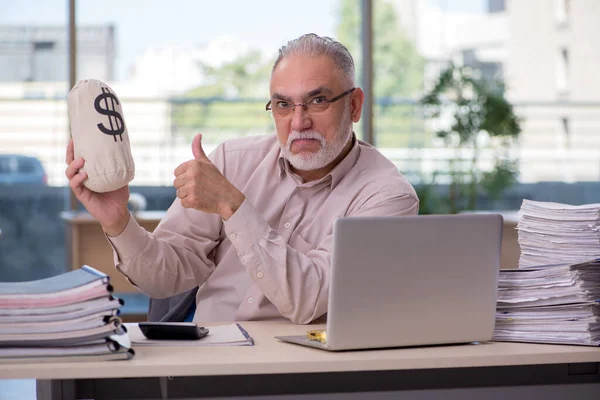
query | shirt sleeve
(174,258)
(297,283)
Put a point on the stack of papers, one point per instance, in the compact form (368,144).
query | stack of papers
(551,233)
(72,316)
(550,304)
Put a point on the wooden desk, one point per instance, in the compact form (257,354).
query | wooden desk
(89,246)
(276,368)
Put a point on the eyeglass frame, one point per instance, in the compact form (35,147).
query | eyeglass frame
(305,104)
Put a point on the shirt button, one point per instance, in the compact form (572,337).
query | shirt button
(260,274)
(232,236)
(287,225)
(251,300)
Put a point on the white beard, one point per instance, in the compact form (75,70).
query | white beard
(309,161)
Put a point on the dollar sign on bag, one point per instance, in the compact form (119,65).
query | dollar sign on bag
(117,125)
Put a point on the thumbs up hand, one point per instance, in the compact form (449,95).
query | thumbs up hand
(197,149)
(201,186)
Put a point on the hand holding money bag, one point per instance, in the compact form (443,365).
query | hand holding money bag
(100,136)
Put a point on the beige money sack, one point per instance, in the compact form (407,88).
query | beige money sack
(100,135)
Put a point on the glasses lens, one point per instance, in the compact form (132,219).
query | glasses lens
(312,108)
(316,108)
(282,112)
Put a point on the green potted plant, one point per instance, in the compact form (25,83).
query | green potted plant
(475,118)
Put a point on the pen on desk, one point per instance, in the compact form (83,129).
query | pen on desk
(245,334)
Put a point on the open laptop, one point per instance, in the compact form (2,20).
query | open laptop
(411,281)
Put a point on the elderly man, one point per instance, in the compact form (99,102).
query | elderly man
(252,222)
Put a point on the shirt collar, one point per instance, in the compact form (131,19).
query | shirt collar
(335,175)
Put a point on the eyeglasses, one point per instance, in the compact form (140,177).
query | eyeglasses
(314,106)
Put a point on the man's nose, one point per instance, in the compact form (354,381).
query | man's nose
(300,119)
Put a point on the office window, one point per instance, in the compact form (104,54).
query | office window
(414,41)
(190,67)
(33,133)
(179,68)
(547,73)
(187,67)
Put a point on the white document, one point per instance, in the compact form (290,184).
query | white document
(550,304)
(549,285)
(554,295)
(220,335)
(552,233)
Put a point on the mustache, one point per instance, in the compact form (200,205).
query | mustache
(295,135)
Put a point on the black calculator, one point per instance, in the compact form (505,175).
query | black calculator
(172,330)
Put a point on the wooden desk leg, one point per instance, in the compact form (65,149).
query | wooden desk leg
(55,389)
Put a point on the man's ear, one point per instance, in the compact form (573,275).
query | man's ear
(357,100)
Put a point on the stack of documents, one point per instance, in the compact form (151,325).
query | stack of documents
(550,304)
(551,233)
(72,316)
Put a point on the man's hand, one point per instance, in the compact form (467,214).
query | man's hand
(200,185)
(109,209)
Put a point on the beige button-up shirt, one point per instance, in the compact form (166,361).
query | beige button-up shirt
(271,259)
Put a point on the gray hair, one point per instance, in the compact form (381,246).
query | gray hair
(313,45)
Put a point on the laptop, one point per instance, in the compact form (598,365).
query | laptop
(411,281)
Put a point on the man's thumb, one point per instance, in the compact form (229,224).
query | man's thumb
(197,148)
